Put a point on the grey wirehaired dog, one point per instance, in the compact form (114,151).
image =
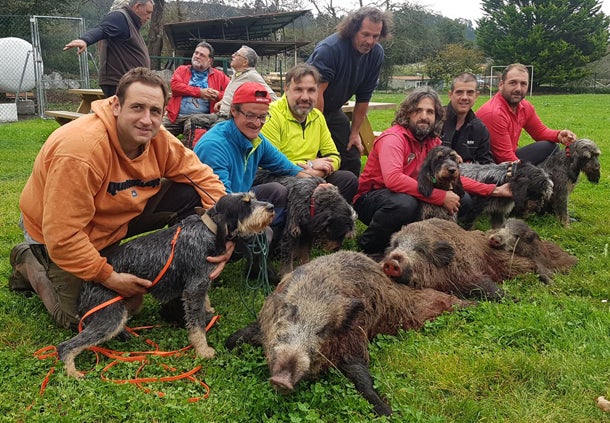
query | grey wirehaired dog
(440,170)
(518,238)
(315,213)
(531,187)
(187,277)
(324,313)
(564,168)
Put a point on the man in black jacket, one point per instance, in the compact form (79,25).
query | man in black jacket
(462,130)
(122,47)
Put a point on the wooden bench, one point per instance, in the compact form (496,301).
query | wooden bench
(62,117)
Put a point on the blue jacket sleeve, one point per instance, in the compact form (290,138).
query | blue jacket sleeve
(275,161)
(114,25)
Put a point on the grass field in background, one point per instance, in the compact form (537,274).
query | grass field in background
(542,358)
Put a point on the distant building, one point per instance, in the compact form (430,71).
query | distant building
(408,82)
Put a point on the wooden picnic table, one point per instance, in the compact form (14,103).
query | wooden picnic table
(87,95)
(366,130)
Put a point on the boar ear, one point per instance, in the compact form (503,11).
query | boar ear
(442,253)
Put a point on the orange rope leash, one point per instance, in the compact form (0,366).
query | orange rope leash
(136,356)
(119,297)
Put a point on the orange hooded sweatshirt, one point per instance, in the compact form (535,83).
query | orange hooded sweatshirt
(84,190)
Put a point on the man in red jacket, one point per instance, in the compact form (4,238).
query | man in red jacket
(507,113)
(387,196)
(196,88)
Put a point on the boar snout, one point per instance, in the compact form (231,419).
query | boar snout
(392,268)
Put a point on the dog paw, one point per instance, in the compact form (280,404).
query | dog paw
(72,372)
(206,352)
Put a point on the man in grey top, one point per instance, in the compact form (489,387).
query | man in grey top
(122,47)
(243,62)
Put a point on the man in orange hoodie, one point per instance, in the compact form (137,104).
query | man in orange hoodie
(106,176)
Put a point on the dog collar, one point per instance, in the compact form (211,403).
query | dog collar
(207,221)
(312,206)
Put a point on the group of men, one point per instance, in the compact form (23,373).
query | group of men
(117,172)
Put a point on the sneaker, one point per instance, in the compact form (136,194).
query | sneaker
(16,281)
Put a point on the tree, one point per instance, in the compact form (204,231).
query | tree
(557,37)
(452,60)
(155,33)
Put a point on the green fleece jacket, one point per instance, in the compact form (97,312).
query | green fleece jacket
(300,142)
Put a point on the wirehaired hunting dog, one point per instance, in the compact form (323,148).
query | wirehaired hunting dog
(315,213)
(440,254)
(440,170)
(187,277)
(518,238)
(324,313)
(564,169)
(530,186)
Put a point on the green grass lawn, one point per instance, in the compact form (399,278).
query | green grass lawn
(542,358)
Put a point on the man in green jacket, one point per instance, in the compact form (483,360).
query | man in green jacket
(299,130)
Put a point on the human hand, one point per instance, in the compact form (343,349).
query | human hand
(221,259)
(451,202)
(502,191)
(81,46)
(322,166)
(126,284)
(355,141)
(566,137)
(209,93)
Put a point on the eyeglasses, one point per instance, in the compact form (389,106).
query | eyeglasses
(252,118)
(236,54)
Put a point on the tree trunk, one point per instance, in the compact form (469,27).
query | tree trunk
(155,34)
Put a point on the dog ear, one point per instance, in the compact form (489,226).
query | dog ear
(222,234)
(424,179)
(458,188)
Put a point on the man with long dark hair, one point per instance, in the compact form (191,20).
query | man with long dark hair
(350,62)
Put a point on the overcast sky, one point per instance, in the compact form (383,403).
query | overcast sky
(469,9)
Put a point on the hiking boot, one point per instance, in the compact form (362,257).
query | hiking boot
(17,281)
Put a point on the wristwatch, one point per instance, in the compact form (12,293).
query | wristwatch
(310,163)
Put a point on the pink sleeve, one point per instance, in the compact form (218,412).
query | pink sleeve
(391,160)
(502,146)
(475,187)
(538,130)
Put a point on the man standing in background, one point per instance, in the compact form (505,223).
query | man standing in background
(462,130)
(122,47)
(350,62)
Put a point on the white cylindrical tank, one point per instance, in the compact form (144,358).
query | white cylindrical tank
(15,55)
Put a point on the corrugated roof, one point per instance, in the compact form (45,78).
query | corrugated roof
(228,34)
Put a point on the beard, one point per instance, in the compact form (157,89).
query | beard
(302,109)
(420,130)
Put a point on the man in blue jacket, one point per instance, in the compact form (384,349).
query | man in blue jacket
(235,149)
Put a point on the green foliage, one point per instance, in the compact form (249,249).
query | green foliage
(452,60)
(557,37)
(543,356)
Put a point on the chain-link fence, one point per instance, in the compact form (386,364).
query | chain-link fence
(34,69)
